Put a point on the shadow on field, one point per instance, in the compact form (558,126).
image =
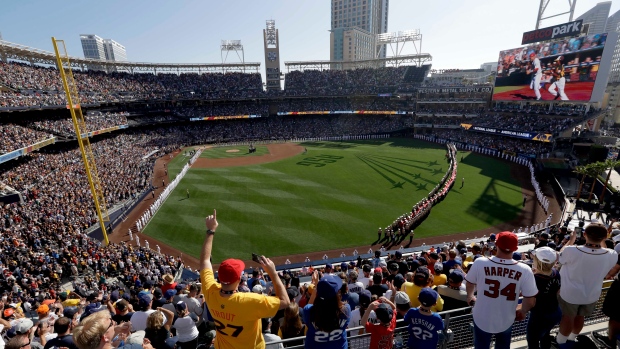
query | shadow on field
(489,208)
(381,166)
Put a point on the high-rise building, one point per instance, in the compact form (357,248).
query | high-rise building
(92,46)
(114,51)
(612,22)
(596,17)
(354,28)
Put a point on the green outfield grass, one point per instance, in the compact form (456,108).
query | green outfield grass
(225,152)
(336,195)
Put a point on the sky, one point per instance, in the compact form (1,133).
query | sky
(458,34)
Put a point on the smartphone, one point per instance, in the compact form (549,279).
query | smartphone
(255,258)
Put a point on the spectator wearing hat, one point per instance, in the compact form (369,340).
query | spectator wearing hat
(185,324)
(355,285)
(62,327)
(122,310)
(180,288)
(169,283)
(356,314)
(440,277)
(581,284)
(193,304)
(169,296)
(394,286)
(138,319)
(327,317)
(499,280)
(158,298)
(381,332)
(402,303)
(236,315)
(546,313)
(421,279)
(423,324)
(43,311)
(454,293)
(329,269)
(543,240)
(24,329)
(70,299)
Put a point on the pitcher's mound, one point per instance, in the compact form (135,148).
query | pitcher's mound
(232,151)
(276,152)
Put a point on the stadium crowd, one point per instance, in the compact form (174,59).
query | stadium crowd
(343,82)
(32,85)
(94,122)
(378,293)
(494,142)
(527,123)
(16,137)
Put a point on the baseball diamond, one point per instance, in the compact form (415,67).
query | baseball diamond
(331,198)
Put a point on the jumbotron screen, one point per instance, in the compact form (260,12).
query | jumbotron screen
(565,69)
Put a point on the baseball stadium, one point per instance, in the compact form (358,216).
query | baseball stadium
(127,189)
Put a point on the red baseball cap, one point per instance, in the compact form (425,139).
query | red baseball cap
(230,271)
(507,241)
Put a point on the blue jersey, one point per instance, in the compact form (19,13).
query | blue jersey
(423,329)
(336,339)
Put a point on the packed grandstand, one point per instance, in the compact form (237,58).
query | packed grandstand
(46,248)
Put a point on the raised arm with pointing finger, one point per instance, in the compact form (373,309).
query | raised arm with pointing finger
(236,314)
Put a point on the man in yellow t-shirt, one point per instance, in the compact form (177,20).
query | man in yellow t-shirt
(70,302)
(237,315)
(421,279)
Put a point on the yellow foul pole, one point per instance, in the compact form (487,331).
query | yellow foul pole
(81,132)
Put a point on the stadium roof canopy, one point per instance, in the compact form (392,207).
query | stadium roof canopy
(416,59)
(12,51)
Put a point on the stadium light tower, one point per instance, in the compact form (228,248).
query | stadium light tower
(397,42)
(543,8)
(232,45)
(272,56)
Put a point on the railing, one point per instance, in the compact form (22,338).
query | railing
(458,330)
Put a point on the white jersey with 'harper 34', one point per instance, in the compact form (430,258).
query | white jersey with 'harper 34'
(499,283)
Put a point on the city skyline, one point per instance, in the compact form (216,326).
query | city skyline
(457,35)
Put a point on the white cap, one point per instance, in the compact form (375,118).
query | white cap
(546,254)
(257,289)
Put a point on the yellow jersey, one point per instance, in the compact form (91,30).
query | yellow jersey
(237,318)
(413,292)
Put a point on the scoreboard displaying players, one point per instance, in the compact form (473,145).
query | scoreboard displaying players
(564,69)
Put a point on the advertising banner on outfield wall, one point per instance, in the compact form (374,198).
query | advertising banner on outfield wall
(563,70)
(437,126)
(454,89)
(372,112)
(227,117)
(534,136)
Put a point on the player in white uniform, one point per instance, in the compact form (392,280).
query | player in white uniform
(560,80)
(499,281)
(536,69)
